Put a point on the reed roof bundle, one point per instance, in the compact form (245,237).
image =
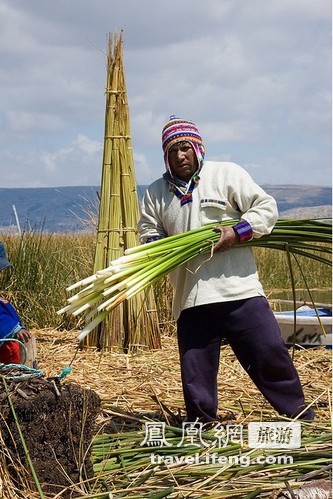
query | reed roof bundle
(134,323)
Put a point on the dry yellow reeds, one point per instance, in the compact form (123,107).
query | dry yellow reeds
(135,323)
(146,387)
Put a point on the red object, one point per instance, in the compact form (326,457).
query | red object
(10,353)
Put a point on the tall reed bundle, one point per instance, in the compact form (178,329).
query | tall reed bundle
(134,323)
(143,265)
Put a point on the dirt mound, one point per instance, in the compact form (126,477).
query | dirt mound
(57,422)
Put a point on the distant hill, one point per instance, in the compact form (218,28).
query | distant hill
(71,209)
(56,209)
(290,197)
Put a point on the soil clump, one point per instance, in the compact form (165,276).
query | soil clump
(57,421)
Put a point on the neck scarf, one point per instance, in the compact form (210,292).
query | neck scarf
(183,190)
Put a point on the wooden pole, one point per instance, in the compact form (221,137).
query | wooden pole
(31,352)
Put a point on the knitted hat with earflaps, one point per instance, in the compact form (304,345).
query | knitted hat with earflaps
(179,130)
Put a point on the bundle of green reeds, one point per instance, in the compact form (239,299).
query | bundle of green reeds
(141,266)
(135,322)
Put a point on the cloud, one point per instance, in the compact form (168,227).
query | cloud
(143,170)
(79,163)
(232,131)
(255,76)
(25,124)
(83,156)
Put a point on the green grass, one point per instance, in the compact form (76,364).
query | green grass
(45,264)
(274,271)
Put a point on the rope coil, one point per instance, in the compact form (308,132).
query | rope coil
(26,371)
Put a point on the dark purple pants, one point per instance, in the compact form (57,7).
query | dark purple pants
(253,333)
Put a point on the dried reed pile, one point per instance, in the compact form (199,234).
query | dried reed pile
(146,381)
(133,323)
(145,387)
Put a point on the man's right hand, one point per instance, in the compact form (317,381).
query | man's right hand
(228,239)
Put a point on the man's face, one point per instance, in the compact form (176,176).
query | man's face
(182,160)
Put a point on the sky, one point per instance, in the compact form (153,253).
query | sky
(254,75)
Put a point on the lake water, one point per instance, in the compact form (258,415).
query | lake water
(319,296)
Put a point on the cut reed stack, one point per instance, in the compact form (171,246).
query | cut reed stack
(122,462)
(133,323)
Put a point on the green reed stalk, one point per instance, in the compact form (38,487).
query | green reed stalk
(24,445)
(141,266)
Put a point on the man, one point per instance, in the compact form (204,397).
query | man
(10,324)
(219,296)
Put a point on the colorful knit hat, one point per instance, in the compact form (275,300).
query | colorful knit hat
(179,130)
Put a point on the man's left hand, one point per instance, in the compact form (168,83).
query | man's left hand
(228,239)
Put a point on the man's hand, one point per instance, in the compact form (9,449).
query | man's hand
(23,335)
(228,239)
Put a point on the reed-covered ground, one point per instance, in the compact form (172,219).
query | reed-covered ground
(145,386)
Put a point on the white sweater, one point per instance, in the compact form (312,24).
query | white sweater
(225,191)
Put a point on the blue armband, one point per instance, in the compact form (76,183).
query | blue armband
(151,239)
(243,230)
